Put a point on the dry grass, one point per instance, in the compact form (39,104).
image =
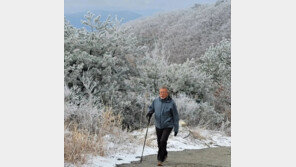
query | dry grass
(110,123)
(80,143)
(196,134)
(149,141)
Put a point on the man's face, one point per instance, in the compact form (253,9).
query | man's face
(163,93)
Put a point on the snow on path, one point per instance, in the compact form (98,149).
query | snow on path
(131,148)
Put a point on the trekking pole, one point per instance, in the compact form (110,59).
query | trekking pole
(145,139)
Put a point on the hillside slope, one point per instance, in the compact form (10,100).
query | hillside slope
(184,33)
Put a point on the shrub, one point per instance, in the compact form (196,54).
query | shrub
(195,113)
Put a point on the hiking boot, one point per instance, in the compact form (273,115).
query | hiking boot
(159,163)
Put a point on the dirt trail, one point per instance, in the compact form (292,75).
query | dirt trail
(209,157)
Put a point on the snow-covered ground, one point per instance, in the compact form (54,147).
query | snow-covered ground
(130,146)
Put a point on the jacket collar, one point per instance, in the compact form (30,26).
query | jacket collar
(167,99)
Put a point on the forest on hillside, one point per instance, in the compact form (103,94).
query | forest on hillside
(113,72)
(186,33)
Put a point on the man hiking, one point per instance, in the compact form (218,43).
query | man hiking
(166,118)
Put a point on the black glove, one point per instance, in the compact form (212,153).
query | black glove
(149,115)
(176,133)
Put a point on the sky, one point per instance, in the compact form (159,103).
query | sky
(73,6)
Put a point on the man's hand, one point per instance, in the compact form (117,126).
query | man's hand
(176,133)
(149,115)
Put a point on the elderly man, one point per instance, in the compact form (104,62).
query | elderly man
(166,118)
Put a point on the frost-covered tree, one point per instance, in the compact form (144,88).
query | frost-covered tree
(180,78)
(152,67)
(216,63)
(187,78)
(198,114)
(104,37)
(100,64)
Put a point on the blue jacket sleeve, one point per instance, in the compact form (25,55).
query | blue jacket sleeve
(151,108)
(175,117)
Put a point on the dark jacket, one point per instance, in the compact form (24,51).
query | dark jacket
(166,113)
